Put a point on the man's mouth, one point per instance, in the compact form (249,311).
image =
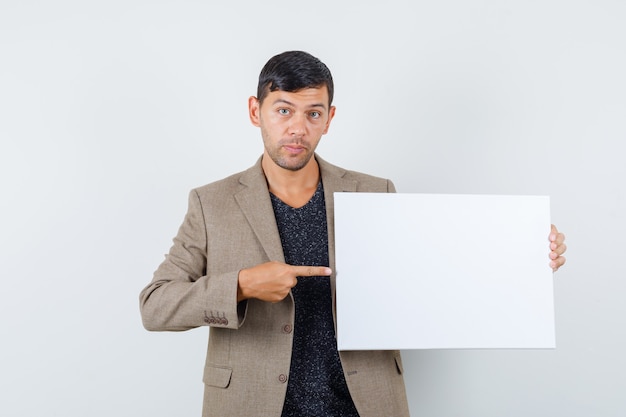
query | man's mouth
(294,149)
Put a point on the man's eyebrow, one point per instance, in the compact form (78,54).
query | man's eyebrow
(289,103)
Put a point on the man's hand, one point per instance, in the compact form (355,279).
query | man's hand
(557,248)
(272,281)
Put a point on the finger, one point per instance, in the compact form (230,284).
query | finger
(556,238)
(557,263)
(559,244)
(312,271)
(561,249)
(560,238)
(293,282)
(553,233)
(558,251)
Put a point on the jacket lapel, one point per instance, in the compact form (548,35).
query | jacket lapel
(254,201)
(333,181)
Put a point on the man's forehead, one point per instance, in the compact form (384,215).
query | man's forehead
(310,97)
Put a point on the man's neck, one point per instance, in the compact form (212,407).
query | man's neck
(294,188)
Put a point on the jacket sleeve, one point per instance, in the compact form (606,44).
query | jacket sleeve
(181,296)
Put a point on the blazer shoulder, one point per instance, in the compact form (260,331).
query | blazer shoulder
(226,185)
(232,184)
(371,183)
(362,182)
(363,177)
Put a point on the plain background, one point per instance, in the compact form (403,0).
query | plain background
(111,111)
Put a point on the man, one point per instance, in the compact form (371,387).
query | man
(253,260)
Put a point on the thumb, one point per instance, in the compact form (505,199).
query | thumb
(553,233)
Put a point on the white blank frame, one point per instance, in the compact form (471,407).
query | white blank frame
(443,271)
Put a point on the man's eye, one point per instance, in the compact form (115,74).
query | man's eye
(283,111)
(315,114)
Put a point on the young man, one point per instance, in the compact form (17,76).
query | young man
(253,259)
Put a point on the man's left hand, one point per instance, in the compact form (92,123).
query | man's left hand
(557,249)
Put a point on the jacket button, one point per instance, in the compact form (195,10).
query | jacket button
(282,378)
(287,328)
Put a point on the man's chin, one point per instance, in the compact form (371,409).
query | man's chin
(292,167)
(293,163)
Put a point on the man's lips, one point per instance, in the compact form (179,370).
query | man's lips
(292,148)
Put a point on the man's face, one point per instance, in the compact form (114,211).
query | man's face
(292,124)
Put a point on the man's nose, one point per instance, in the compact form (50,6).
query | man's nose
(297,126)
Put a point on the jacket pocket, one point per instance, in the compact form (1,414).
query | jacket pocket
(217,376)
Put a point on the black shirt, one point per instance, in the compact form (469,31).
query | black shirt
(317,385)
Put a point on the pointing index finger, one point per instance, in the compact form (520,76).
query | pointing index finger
(312,271)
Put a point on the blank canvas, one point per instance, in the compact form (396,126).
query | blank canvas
(441,271)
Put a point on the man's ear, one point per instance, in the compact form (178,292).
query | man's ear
(331,114)
(254,109)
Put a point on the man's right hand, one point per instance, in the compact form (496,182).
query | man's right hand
(272,281)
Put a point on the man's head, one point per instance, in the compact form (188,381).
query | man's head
(293,108)
(293,71)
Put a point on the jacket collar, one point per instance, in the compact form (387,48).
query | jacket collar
(254,200)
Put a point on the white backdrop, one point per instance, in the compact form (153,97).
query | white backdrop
(111,111)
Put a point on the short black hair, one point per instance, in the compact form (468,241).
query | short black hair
(293,71)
